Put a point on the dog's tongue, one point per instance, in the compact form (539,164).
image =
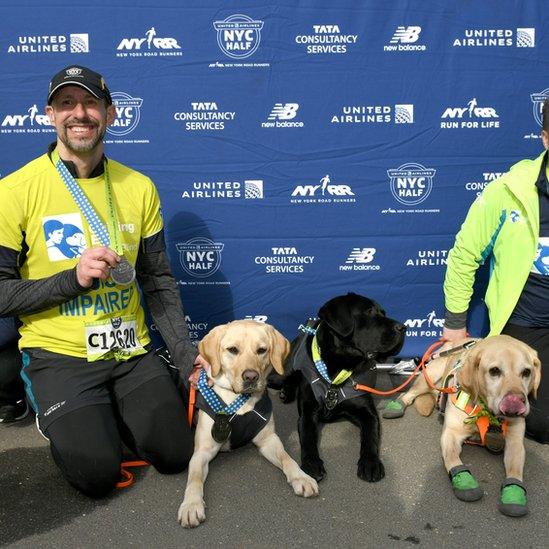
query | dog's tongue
(512,405)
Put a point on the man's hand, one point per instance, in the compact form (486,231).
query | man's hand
(454,335)
(199,363)
(95,263)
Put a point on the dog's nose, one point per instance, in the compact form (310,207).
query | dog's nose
(250,376)
(400,327)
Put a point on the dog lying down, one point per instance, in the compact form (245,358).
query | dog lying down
(237,409)
(341,348)
(494,378)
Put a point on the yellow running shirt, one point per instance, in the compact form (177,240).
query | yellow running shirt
(36,206)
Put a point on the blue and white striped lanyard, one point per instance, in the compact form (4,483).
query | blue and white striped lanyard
(87,209)
(213,400)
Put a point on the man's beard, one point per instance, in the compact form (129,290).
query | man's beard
(81,145)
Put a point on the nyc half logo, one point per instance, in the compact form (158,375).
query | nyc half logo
(471,116)
(238,36)
(537,100)
(200,257)
(411,183)
(128,113)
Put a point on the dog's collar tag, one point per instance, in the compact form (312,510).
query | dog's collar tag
(331,399)
(221,429)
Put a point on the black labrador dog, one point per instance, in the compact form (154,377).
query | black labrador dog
(351,334)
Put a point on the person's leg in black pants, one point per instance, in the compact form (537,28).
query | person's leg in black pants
(537,421)
(12,393)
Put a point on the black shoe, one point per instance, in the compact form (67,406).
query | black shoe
(9,413)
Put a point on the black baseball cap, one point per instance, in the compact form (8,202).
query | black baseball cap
(76,75)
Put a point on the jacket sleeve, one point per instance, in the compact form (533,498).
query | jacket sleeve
(473,245)
(163,300)
(21,297)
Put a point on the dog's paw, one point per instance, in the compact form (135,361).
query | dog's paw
(314,468)
(305,486)
(370,471)
(287,394)
(191,514)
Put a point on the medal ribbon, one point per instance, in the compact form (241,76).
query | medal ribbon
(213,400)
(323,369)
(101,232)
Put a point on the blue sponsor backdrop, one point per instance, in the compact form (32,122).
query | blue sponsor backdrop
(301,149)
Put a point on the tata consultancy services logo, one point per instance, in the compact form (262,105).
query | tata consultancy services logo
(411,183)
(238,36)
(200,257)
(128,113)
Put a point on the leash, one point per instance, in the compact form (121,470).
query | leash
(128,475)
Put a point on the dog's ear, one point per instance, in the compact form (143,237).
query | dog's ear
(280,348)
(536,375)
(337,314)
(210,347)
(469,372)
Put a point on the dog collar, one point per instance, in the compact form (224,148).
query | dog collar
(323,369)
(216,404)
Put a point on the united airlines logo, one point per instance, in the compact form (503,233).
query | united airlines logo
(471,116)
(411,183)
(280,116)
(51,43)
(404,39)
(497,38)
(250,189)
(238,36)
(128,113)
(253,189)
(200,257)
(375,114)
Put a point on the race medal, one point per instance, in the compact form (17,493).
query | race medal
(221,429)
(331,399)
(124,273)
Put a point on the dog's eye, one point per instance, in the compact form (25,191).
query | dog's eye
(494,372)
(261,351)
(232,350)
(526,372)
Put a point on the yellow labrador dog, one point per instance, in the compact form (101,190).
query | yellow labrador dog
(496,374)
(241,354)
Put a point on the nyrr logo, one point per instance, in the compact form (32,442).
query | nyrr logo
(27,123)
(128,113)
(471,116)
(411,183)
(360,259)
(238,36)
(502,38)
(375,114)
(200,257)
(324,192)
(204,115)
(56,43)
(280,115)
(430,326)
(326,39)
(150,45)
(404,39)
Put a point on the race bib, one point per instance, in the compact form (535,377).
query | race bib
(116,337)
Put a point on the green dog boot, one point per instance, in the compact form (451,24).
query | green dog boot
(464,484)
(512,499)
(393,409)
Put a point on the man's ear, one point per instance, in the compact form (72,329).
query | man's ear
(50,113)
(111,114)
(210,347)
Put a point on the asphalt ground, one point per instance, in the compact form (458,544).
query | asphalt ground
(249,503)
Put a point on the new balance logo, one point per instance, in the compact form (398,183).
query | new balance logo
(284,111)
(406,35)
(361,255)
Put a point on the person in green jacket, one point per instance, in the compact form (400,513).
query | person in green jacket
(509,224)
